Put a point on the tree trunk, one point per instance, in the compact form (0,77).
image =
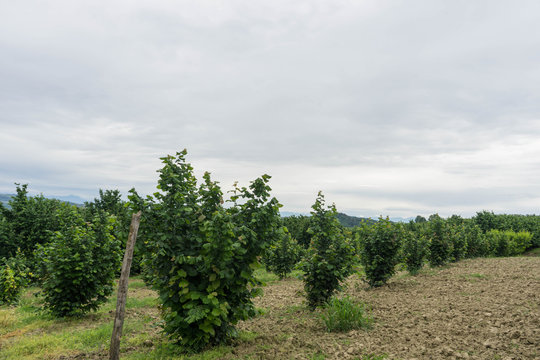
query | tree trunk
(114,352)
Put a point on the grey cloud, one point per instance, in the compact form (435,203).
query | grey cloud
(92,94)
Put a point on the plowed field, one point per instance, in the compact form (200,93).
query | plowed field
(474,309)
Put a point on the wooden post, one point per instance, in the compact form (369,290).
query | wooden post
(114,351)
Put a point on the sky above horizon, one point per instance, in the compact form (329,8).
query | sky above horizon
(394,108)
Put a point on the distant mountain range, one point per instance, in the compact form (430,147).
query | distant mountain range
(344,219)
(71,199)
(4,198)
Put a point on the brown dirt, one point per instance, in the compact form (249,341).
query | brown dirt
(474,309)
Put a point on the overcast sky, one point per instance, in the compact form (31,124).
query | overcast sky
(390,108)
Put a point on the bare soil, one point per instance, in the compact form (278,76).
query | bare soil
(474,309)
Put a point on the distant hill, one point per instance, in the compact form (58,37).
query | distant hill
(403,220)
(344,219)
(70,199)
(4,198)
(291,213)
(352,221)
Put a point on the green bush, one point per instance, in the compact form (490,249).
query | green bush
(14,277)
(79,265)
(204,253)
(344,315)
(329,259)
(29,222)
(498,243)
(8,241)
(476,241)
(439,242)
(110,201)
(283,254)
(458,238)
(379,251)
(520,242)
(507,243)
(414,249)
(298,226)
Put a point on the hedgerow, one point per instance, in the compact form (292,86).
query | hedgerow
(507,243)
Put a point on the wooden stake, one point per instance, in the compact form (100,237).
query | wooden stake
(114,351)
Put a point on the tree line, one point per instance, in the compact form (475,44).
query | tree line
(199,248)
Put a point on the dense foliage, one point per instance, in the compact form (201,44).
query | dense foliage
(507,243)
(14,276)
(203,253)
(111,203)
(283,254)
(414,249)
(26,222)
(79,264)
(530,223)
(439,241)
(476,241)
(379,246)
(298,226)
(329,258)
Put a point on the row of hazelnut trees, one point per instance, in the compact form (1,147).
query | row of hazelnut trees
(199,248)
(381,247)
(72,253)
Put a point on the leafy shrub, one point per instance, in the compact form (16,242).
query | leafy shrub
(13,278)
(507,222)
(283,254)
(439,243)
(520,242)
(458,238)
(498,243)
(8,243)
(476,241)
(79,265)
(329,258)
(298,226)
(415,249)
(204,253)
(110,201)
(344,315)
(507,243)
(29,222)
(379,251)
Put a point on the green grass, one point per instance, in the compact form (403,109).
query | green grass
(533,252)
(29,333)
(267,277)
(165,350)
(318,356)
(264,276)
(373,357)
(344,315)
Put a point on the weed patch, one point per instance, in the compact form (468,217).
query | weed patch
(344,315)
